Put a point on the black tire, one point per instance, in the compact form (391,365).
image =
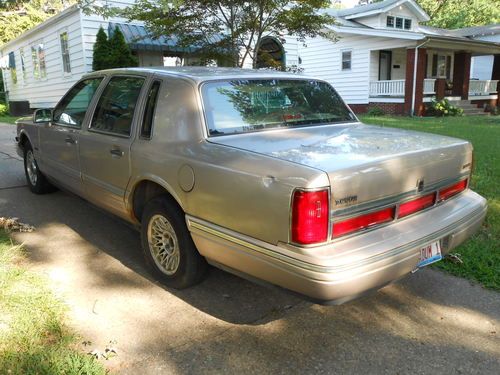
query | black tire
(191,266)
(38,184)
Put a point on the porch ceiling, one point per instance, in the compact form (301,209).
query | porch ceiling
(475,47)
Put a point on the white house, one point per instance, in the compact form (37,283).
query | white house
(372,63)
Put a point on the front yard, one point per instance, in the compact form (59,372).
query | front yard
(481,254)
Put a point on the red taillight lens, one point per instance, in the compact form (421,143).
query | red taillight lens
(310,216)
(452,190)
(361,222)
(416,205)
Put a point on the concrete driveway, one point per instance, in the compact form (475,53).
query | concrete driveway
(429,323)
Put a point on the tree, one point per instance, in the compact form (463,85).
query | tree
(111,53)
(17,16)
(453,14)
(226,28)
(120,54)
(101,53)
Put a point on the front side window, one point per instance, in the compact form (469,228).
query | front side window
(115,110)
(399,23)
(407,24)
(390,21)
(241,106)
(72,108)
(346,60)
(65,52)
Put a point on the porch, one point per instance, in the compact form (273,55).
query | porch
(409,77)
(396,88)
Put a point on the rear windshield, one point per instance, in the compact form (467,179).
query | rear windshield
(242,106)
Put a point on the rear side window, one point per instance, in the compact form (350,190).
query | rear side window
(149,110)
(72,108)
(115,110)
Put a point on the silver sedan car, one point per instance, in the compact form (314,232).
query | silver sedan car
(266,175)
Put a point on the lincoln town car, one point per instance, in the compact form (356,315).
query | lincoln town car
(267,175)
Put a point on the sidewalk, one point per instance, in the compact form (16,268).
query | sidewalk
(429,323)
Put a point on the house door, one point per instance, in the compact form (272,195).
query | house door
(384,65)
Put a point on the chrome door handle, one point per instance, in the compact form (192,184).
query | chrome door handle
(116,152)
(70,140)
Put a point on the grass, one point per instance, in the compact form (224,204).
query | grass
(33,336)
(8,119)
(480,254)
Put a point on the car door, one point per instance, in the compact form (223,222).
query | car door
(59,138)
(105,144)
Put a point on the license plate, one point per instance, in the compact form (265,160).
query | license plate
(430,254)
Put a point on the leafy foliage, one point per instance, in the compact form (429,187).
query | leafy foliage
(444,108)
(225,29)
(17,16)
(100,56)
(113,52)
(454,14)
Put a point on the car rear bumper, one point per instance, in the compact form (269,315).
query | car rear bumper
(340,271)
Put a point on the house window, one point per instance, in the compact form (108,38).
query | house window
(38,57)
(23,65)
(398,23)
(441,66)
(65,52)
(12,67)
(346,60)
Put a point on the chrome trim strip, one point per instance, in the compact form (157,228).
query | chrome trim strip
(366,207)
(266,249)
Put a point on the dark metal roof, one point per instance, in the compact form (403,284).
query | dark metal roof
(138,39)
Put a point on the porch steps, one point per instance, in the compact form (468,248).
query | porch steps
(469,108)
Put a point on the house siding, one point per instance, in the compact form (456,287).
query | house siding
(36,90)
(322,58)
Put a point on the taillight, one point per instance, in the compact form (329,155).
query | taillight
(362,222)
(310,210)
(452,190)
(416,205)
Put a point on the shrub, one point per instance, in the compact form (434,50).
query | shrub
(375,111)
(3,110)
(444,108)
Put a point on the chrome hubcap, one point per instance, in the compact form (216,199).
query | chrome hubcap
(31,167)
(163,244)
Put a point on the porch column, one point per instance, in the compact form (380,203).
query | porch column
(495,75)
(419,82)
(440,88)
(461,74)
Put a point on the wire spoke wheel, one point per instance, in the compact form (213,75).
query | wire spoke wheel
(31,167)
(163,244)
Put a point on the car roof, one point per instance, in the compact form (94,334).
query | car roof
(201,74)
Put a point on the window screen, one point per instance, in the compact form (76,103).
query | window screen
(346,60)
(149,110)
(390,21)
(115,110)
(65,52)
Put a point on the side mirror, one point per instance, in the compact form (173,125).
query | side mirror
(42,115)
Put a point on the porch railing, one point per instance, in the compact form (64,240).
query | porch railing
(387,88)
(482,87)
(429,86)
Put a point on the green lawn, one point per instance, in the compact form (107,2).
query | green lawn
(33,336)
(8,119)
(481,254)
